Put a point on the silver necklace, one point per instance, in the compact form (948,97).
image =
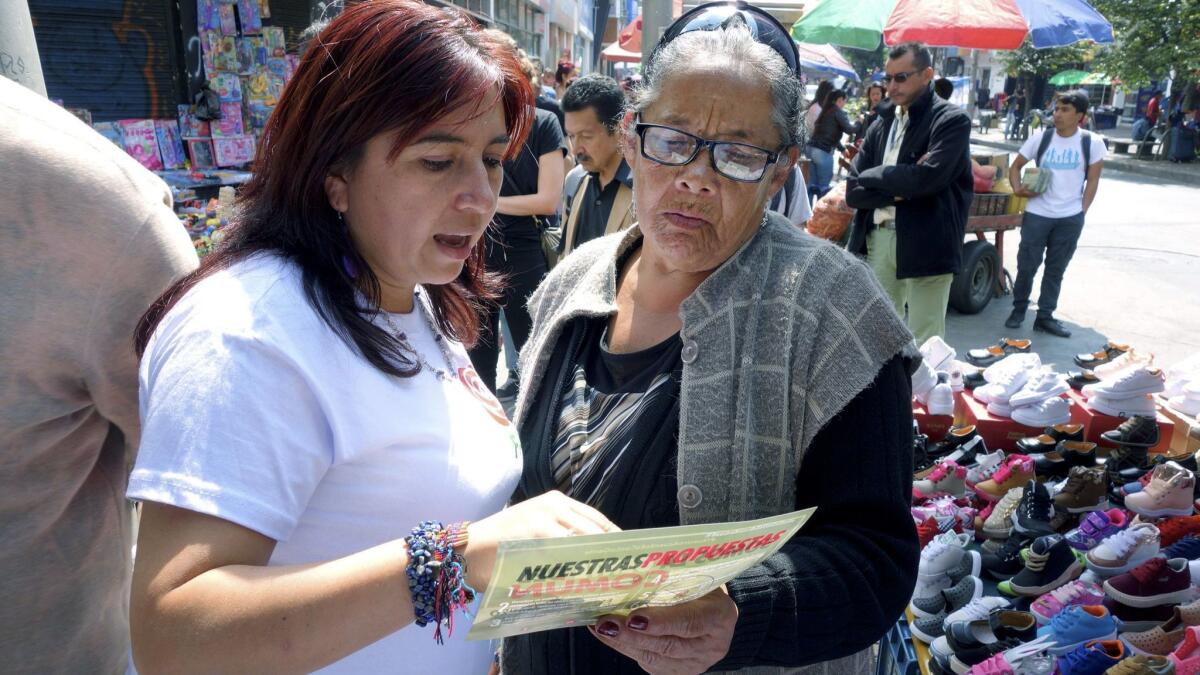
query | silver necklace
(443,344)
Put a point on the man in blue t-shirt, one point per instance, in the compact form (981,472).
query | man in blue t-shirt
(1054,219)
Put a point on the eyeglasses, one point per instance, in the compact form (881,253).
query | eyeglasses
(741,162)
(716,15)
(900,78)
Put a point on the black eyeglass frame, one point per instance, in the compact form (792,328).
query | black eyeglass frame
(640,129)
(900,78)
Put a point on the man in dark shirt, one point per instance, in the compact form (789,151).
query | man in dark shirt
(603,202)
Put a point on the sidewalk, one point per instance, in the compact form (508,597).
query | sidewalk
(1181,174)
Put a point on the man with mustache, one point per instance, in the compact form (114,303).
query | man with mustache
(603,201)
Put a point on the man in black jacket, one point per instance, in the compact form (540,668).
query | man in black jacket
(912,188)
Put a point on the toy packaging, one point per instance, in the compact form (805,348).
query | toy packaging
(141,142)
(169,144)
(191,126)
(201,152)
(230,123)
(226,59)
(275,41)
(234,151)
(228,87)
(208,17)
(248,13)
(228,22)
(210,44)
(111,131)
(257,114)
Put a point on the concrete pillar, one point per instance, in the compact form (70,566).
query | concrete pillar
(19,59)
(656,16)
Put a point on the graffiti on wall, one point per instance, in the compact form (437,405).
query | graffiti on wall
(106,55)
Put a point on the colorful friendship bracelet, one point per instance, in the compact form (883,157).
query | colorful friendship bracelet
(437,574)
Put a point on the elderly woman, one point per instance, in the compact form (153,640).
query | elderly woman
(712,364)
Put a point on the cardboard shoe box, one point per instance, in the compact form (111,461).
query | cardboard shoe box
(997,432)
(1095,423)
(1186,436)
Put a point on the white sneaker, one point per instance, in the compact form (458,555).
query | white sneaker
(938,557)
(996,371)
(1183,373)
(1045,413)
(984,393)
(1011,382)
(1186,405)
(1130,382)
(1130,359)
(976,610)
(941,400)
(999,408)
(1040,386)
(986,465)
(930,585)
(937,353)
(1124,550)
(956,380)
(923,381)
(1123,407)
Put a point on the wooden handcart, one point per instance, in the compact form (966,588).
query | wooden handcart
(982,275)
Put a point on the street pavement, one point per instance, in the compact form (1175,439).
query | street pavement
(1135,278)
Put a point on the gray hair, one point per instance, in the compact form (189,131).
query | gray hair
(745,56)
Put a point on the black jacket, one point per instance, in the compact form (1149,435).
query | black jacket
(828,130)
(930,186)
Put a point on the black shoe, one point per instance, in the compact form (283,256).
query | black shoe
(1015,319)
(1127,464)
(958,436)
(1050,438)
(1068,455)
(1033,514)
(1006,561)
(975,641)
(1108,352)
(1051,564)
(1051,326)
(1137,431)
(975,379)
(510,388)
(1079,380)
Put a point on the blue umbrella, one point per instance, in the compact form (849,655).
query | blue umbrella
(825,59)
(1058,23)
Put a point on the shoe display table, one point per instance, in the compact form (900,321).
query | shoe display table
(1186,434)
(1095,423)
(997,432)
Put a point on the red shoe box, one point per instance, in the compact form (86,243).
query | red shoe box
(997,432)
(934,426)
(1095,423)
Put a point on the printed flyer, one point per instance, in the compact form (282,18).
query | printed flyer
(542,584)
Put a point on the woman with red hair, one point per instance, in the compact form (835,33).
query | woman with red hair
(306,397)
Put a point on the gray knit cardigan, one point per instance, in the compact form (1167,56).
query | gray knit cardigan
(776,341)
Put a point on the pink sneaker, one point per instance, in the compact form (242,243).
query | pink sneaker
(947,479)
(1075,593)
(1186,656)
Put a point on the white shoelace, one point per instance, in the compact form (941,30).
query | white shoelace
(1124,541)
(976,610)
(1065,594)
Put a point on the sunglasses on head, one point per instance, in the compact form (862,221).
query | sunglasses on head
(765,28)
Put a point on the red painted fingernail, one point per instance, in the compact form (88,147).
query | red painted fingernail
(608,629)
(638,622)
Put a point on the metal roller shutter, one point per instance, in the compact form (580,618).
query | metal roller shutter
(117,58)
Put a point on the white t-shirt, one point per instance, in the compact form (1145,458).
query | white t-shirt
(254,411)
(1064,158)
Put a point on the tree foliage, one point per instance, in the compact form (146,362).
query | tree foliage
(1152,37)
(1045,62)
(865,62)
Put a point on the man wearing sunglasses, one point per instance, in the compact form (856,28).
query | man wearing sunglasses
(714,363)
(912,189)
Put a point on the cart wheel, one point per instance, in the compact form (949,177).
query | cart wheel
(975,283)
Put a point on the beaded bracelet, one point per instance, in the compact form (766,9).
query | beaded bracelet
(437,574)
